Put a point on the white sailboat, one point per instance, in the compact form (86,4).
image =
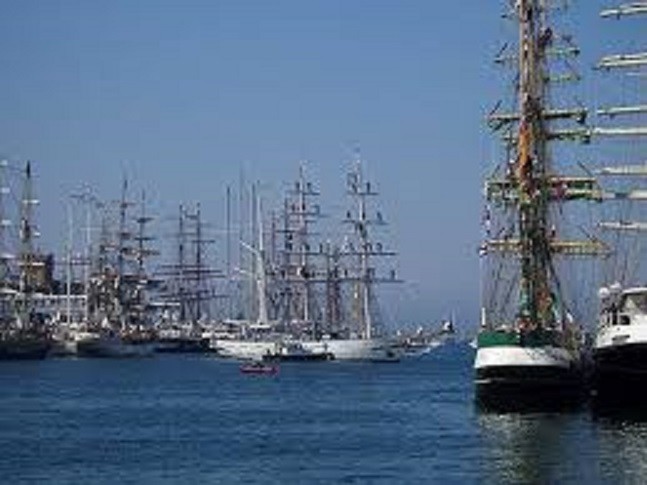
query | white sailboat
(257,338)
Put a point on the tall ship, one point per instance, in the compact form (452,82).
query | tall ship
(310,298)
(351,328)
(620,346)
(118,320)
(529,343)
(187,296)
(23,335)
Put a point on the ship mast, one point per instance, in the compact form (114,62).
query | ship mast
(304,190)
(531,164)
(28,260)
(299,272)
(261,276)
(365,249)
(628,125)
(530,186)
(5,257)
(142,279)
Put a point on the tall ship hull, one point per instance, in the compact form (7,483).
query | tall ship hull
(511,369)
(367,350)
(23,335)
(24,347)
(65,343)
(182,345)
(112,347)
(243,349)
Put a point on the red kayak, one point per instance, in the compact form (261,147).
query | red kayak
(259,368)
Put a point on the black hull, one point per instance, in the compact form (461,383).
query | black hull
(92,350)
(29,348)
(527,388)
(620,373)
(182,346)
(299,358)
(108,350)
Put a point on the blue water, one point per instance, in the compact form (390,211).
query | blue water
(192,419)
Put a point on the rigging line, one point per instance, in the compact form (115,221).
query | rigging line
(626,254)
(631,270)
(558,288)
(496,279)
(496,272)
(515,282)
(504,264)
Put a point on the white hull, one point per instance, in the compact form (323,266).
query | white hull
(67,344)
(615,336)
(63,348)
(513,377)
(516,356)
(355,349)
(620,349)
(244,349)
(341,349)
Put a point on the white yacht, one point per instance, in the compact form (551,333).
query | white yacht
(620,348)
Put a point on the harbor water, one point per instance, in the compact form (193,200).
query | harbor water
(197,419)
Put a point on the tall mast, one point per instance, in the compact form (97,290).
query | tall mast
(142,279)
(91,202)
(5,223)
(529,184)
(197,270)
(299,272)
(628,123)
(333,293)
(181,265)
(253,260)
(28,260)
(68,263)
(303,191)
(228,251)
(360,190)
(260,266)
(199,276)
(123,235)
(531,165)
(365,249)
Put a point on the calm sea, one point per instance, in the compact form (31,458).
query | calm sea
(192,419)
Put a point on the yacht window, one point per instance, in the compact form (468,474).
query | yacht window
(636,303)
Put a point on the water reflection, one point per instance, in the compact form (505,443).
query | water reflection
(533,447)
(587,446)
(621,433)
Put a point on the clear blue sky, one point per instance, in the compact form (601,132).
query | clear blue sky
(181,94)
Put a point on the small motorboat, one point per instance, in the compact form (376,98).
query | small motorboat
(259,368)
